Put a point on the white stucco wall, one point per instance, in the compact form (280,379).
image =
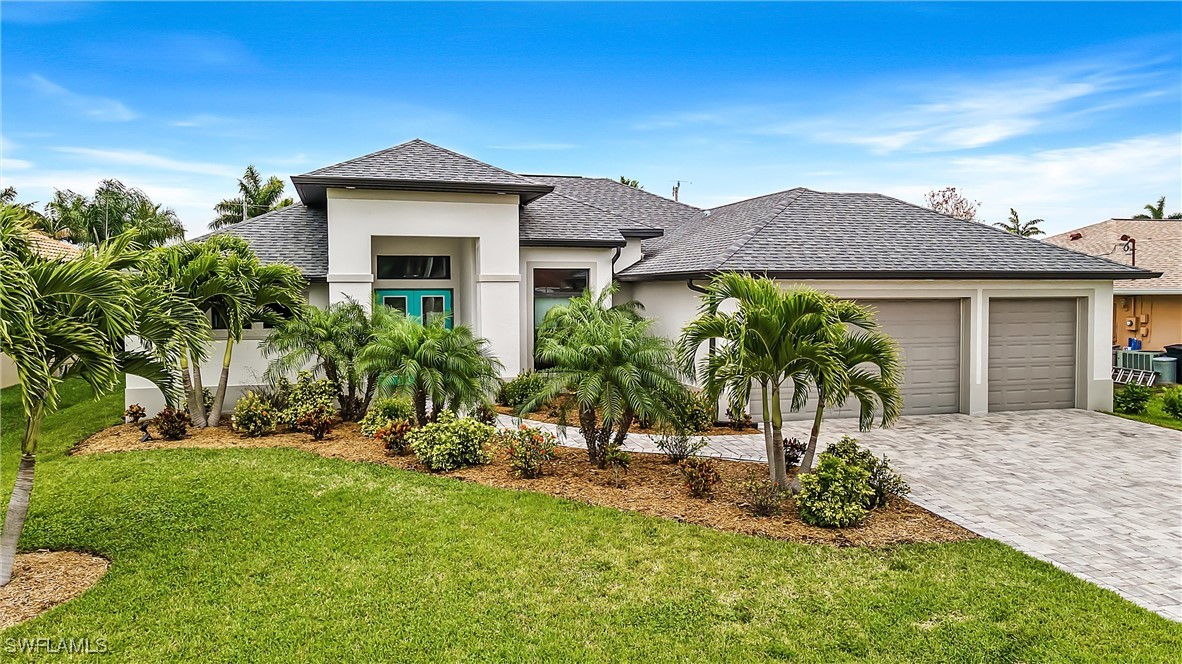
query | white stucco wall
(673,304)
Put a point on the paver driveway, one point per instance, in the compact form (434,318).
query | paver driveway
(1094,494)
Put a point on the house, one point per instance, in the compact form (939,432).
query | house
(46,247)
(987,320)
(1149,310)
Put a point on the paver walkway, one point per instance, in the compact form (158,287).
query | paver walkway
(1096,495)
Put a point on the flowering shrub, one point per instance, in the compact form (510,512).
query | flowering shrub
(679,445)
(384,411)
(528,449)
(835,494)
(172,423)
(135,413)
(700,476)
(316,421)
(393,436)
(760,496)
(307,395)
(450,442)
(252,416)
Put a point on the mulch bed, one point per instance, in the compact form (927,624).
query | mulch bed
(651,486)
(572,422)
(43,579)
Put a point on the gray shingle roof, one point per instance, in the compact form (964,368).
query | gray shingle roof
(808,234)
(559,219)
(419,160)
(296,234)
(647,210)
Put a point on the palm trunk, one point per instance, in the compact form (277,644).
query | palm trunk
(780,467)
(767,432)
(186,381)
(622,432)
(590,434)
(197,399)
(806,462)
(22,492)
(219,397)
(371,384)
(420,398)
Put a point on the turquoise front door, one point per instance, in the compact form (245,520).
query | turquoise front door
(425,303)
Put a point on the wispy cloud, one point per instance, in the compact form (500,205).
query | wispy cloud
(148,160)
(94,107)
(200,120)
(533,146)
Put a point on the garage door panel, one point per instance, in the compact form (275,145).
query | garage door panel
(1032,353)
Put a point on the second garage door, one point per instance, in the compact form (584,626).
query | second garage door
(1031,354)
(928,332)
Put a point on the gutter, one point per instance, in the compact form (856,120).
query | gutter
(888,274)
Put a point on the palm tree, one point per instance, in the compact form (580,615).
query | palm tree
(71,319)
(630,182)
(1020,228)
(773,337)
(872,369)
(431,363)
(1157,211)
(331,338)
(114,209)
(255,197)
(612,366)
(65,214)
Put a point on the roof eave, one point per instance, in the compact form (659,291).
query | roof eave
(313,189)
(567,242)
(893,274)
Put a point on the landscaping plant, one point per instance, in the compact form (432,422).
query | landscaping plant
(761,496)
(521,389)
(678,445)
(172,423)
(252,416)
(316,421)
(528,449)
(450,442)
(1132,399)
(135,413)
(883,480)
(700,476)
(617,461)
(835,495)
(392,436)
(1171,401)
(308,394)
(794,450)
(485,414)
(384,411)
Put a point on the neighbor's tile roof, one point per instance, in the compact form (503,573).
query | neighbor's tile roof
(296,235)
(811,234)
(1159,248)
(54,249)
(419,160)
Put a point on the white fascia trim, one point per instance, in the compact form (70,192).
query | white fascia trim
(361,278)
(503,278)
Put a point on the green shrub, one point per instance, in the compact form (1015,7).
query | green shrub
(700,476)
(679,445)
(252,416)
(316,421)
(527,449)
(692,411)
(384,411)
(738,420)
(884,481)
(521,390)
(760,496)
(450,443)
(135,413)
(1171,401)
(393,436)
(1132,399)
(835,494)
(307,395)
(172,423)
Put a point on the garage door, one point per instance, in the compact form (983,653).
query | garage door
(1031,354)
(928,332)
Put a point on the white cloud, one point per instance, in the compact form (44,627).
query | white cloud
(94,107)
(148,160)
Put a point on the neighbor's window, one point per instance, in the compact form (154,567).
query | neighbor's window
(414,267)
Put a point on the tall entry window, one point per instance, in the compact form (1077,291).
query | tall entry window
(555,286)
(414,267)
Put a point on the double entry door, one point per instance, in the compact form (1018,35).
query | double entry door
(426,303)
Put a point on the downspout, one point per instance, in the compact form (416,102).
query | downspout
(616,257)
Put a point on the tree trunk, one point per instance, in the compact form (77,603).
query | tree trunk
(219,397)
(780,467)
(420,398)
(22,492)
(371,384)
(806,462)
(622,432)
(186,381)
(590,434)
(767,433)
(197,399)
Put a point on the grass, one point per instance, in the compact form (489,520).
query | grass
(278,555)
(1154,414)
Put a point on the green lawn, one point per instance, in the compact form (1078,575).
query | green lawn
(278,555)
(1154,413)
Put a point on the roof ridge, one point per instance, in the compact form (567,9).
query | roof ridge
(364,156)
(617,183)
(755,229)
(464,156)
(755,198)
(419,141)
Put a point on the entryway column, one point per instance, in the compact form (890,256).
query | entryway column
(359,287)
(498,317)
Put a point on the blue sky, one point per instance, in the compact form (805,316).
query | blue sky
(1069,112)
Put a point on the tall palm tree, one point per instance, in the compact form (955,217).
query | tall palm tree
(1020,228)
(615,370)
(65,214)
(71,319)
(1157,211)
(255,197)
(431,363)
(873,372)
(772,338)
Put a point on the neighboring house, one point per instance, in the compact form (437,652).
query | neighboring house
(1146,309)
(987,320)
(46,247)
